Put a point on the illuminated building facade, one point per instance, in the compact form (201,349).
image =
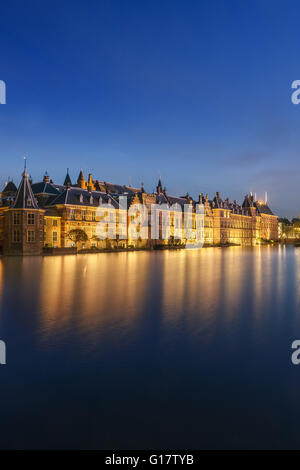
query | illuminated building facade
(37,216)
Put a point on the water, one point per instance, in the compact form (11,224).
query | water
(169,350)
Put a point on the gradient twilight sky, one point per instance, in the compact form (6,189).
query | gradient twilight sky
(199,91)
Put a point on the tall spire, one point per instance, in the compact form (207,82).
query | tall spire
(67,179)
(25,198)
(159,187)
(81,180)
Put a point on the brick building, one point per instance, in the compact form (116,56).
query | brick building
(44,214)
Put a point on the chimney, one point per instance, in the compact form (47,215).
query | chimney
(90,184)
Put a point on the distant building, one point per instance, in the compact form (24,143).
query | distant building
(289,231)
(44,214)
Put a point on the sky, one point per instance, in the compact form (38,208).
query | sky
(198,92)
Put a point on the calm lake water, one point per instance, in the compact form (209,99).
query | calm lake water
(169,350)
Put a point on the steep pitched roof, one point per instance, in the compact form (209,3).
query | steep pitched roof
(25,198)
(82,197)
(10,188)
(67,179)
(263,208)
(44,188)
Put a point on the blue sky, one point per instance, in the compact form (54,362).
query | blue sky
(197,91)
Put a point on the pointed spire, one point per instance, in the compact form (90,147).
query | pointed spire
(25,198)
(90,184)
(9,189)
(81,180)
(67,181)
(159,187)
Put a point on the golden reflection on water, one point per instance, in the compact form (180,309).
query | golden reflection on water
(217,286)
(92,290)
(205,288)
(201,281)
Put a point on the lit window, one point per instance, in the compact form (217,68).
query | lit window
(30,236)
(30,219)
(16,218)
(55,236)
(55,223)
(16,236)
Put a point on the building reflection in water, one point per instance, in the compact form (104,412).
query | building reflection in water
(202,291)
(213,288)
(91,292)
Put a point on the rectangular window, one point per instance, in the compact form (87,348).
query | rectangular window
(55,236)
(30,219)
(30,236)
(83,213)
(72,214)
(16,236)
(16,218)
(54,223)
(93,216)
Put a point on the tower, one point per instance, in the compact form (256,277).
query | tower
(81,183)
(159,187)
(24,222)
(67,181)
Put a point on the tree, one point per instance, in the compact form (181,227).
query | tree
(77,235)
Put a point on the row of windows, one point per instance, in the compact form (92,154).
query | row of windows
(30,236)
(83,215)
(17,219)
(54,222)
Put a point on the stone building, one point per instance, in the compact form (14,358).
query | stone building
(42,215)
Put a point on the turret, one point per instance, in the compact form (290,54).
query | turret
(67,179)
(46,178)
(81,183)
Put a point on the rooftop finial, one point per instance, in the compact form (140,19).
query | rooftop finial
(25,162)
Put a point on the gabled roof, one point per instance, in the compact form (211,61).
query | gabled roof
(263,208)
(115,188)
(10,188)
(44,188)
(25,198)
(82,197)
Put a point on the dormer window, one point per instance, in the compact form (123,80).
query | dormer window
(28,203)
(81,198)
(91,200)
